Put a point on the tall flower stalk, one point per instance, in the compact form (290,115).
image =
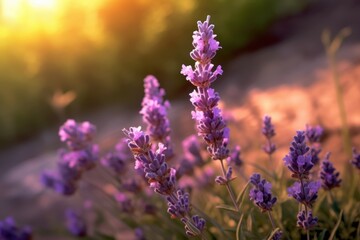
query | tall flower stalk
(163,180)
(210,123)
(299,162)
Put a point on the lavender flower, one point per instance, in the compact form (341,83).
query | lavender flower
(9,230)
(80,156)
(261,193)
(75,223)
(210,124)
(192,156)
(139,234)
(160,177)
(306,194)
(299,161)
(356,159)
(269,132)
(314,134)
(277,235)
(306,221)
(235,157)
(329,176)
(154,112)
(125,202)
(226,179)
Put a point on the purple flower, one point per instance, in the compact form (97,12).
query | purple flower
(314,152)
(235,157)
(9,230)
(299,160)
(306,222)
(314,134)
(277,235)
(224,180)
(139,234)
(210,124)
(306,194)
(75,223)
(198,222)
(154,112)
(261,194)
(356,159)
(58,184)
(160,177)
(77,135)
(329,176)
(126,204)
(269,132)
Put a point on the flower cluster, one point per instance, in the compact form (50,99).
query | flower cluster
(313,136)
(269,132)
(9,231)
(356,159)
(75,224)
(154,113)
(328,175)
(162,178)
(80,156)
(299,161)
(306,221)
(117,159)
(210,123)
(235,157)
(261,194)
(191,156)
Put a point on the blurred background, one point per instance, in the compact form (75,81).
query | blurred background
(61,57)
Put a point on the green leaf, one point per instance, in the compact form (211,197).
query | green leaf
(336,226)
(238,227)
(227,208)
(241,194)
(273,233)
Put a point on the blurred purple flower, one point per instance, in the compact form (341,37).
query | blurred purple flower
(154,112)
(306,194)
(306,222)
(139,234)
(235,157)
(277,235)
(126,204)
(314,134)
(75,223)
(210,124)
(261,193)
(299,159)
(9,230)
(269,132)
(329,176)
(77,135)
(356,159)
(224,180)
(80,156)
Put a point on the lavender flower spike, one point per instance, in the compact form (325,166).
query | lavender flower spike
(261,193)
(314,134)
(269,132)
(161,178)
(356,159)
(210,124)
(306,194)
(9,231)
(306,222)
(75,224)
(329,176)
(154,112)
(299,159)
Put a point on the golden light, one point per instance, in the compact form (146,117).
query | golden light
(42,4)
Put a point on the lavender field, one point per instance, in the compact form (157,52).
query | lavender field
(261,141)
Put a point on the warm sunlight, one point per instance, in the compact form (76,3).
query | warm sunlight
(44,4)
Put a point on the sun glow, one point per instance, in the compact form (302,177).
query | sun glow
(43,4)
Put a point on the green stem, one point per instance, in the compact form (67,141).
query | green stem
(231,192)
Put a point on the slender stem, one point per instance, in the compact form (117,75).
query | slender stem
(231,192)
(271,219)
(306,209)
